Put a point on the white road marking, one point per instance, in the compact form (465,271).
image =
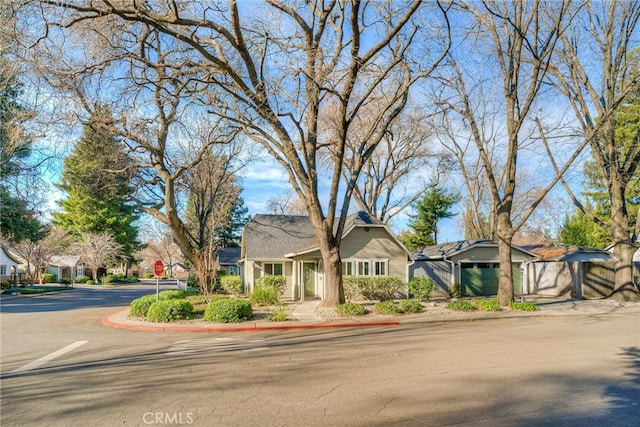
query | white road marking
(49,357)
(216,345)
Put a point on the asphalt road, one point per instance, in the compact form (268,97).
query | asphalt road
(61,367)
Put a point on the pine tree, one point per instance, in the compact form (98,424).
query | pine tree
(96,179)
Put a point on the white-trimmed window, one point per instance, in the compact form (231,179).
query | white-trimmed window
(273,269)
(3,270)
(365,267)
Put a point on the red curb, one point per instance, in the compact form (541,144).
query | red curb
(165,329)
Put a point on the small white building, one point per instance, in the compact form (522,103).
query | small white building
(9,263)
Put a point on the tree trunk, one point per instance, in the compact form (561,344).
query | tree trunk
(624,289)
(334,291)
(505,236)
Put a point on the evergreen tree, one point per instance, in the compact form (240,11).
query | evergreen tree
(434,206)
(96,179)
(17,220)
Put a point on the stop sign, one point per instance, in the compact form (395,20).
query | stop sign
(158,268)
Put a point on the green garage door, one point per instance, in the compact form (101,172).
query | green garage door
(481,279)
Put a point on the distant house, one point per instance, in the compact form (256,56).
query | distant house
(228,260)
(66,267)
(286,245)
(9,263)
(472,264)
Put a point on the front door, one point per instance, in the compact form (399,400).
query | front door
(309,279)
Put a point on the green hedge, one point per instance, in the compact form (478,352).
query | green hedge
(169,309)
(372,287)
(386,307)
(140,306)
(228,310)
(172,294)
(276,281)
(421,287)
(411,306)
(81,279)
(231,284)
(351,309)
(50,278)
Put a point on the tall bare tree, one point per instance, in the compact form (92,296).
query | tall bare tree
(598,72)
(521,38)
(97,250)
(271,69)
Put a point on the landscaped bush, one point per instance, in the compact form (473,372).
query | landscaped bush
(459,305)
(148,275)
(351,309)
(50,278)
(81,279)
(488,304)
(411,306)
(108,280)
(91,282)
(231,284)
(264,295)
(169,309)
(350,286)
(386,307)
(276,281)
(372,287)
(4,284)
(524,306)
(280,315)
(455,290)
(172,294)
(421,287)
(228,310)
(140,306)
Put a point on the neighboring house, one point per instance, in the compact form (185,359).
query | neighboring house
(228,260)
(472,264)
(66,267)
(9,263)
(286,245)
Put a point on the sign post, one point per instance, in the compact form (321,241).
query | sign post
(158,269)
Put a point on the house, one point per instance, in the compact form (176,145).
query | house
(228,260)
(472,264)
(9,263)
(286,245)
(66,267)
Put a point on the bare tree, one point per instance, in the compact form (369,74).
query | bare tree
(271,69)
(522,38)
(598,73)
(160,245)
(38,253)
(96,250)
(286,203)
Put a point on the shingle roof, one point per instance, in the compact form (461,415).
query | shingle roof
(560,253)
(64,260)
(228,256)
(448,249)
(274,236)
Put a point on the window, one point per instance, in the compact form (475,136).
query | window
(273,269)
(3,270)
(369,267)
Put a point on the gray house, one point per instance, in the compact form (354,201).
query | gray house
(228,260)
(286,245)
(473,264)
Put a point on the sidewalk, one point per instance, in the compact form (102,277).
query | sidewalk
(305,317)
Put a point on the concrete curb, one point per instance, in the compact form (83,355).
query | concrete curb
(110,322)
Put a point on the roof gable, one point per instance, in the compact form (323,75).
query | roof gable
(229,256)
(449,249)
(272,236)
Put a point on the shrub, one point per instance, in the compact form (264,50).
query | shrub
(91,282)
(148,275)
(4,284)
(108,280)
(169,309)
(372,287)
(228,310)
(140,306)
(192,281)
(421,287)
(280,315)
(410,306)
(65,281)
(461,305)
(231,284)
(276,281)
(50,278)
(488,304)
(386,307)
(264,295)
(524,306)
(455,290)
(351,309)
(82,279)
(172,294)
